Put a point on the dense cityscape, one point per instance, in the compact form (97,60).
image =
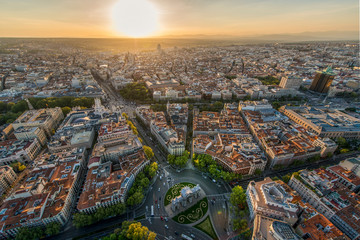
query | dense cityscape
(248,141)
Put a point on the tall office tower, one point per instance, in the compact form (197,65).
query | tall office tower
(322,81)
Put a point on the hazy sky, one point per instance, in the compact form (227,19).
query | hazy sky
(92,18)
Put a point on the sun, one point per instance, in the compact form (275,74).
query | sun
(135,18)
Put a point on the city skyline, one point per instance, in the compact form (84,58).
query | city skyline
(159,18)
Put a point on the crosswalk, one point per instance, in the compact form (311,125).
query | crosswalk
(220,196)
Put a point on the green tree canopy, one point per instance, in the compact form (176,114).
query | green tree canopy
(148,151)
(238,196)
(66,110)
(52,228)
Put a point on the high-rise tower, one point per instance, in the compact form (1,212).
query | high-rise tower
(322,81)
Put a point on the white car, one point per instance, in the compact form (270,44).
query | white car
(166,226)
(159,190)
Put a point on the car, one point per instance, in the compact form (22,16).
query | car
(166,226)
(192,235)
(159,198)
(155,201)
(159,190)
(164,184)
(176,233)
(166,219)
(158,205)
(161,217)
(214,180)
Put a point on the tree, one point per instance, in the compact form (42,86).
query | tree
(171,159)
(3,107)
(125,115)
(20,107)
(152,169)
(26,233)
(66,110)
(258,171)
(135,199)
(151,236)
(238,197)
(240,224)
(131,231)
(344,150)
(81,220)
(18,167)
(286,178)
(136,231)
(136,91)
(342,142)
(52,228)
(149,152)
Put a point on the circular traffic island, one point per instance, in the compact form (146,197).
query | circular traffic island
(186,203)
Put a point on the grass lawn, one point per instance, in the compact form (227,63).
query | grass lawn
(194,213)
(207,227)
(174,191)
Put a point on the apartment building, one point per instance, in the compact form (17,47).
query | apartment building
(283,140)
(47,119)
(7,177)
(172,139)
(315,226)
(271,210)
(29,133)
(346,177)
(116,160)
(312,187)
(78,129)
(47,195)
(325,122)
(178,113)
(236,153)
(18,150)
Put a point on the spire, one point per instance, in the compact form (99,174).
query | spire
(29,104)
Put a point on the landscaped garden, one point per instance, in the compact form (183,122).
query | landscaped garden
(207,227)
(174,191)
(193,213)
